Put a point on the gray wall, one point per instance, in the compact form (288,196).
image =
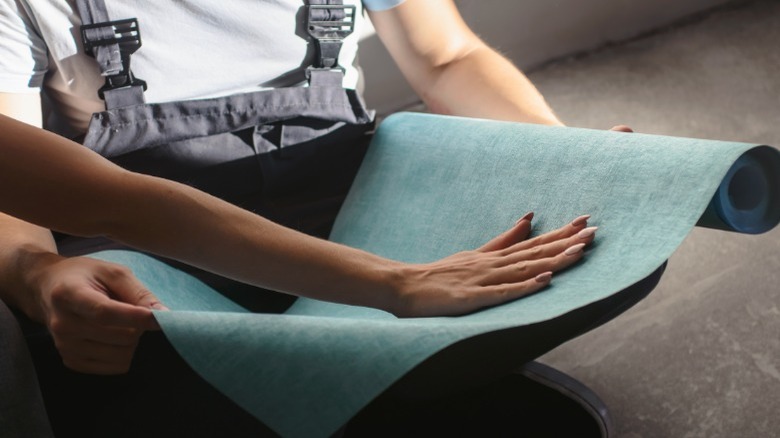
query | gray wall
(531,32)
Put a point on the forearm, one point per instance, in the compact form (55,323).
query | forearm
(23,246)
(486,85)
(198,229)
(87,195)
(452,70)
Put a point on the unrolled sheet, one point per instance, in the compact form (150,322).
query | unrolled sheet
(431,186)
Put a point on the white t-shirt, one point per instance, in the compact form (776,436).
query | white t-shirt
(190,49)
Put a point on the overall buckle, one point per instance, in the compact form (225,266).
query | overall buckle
(329,34)
(126,35)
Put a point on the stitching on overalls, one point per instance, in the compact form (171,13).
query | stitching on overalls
(117,126)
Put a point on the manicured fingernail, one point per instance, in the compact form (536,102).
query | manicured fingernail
(582,220)
(587,232)
(544,277)
(526,217)
(574,249)
(159,306)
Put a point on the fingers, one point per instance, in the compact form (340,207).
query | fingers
(568,230)
(73,327)
(97,358)
(621,128)
(512,240)
(494,295)
(514,235)
(125,287)
(584,236)
(91,348)
(96,307)
(87,366)
(530,268)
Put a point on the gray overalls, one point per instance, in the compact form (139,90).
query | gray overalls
(288,154)
(247,148)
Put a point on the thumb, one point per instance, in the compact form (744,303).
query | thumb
(128,289)
(123,286)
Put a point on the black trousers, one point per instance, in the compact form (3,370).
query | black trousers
(22,412)
(162,396)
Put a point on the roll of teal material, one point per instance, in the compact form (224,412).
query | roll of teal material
(431,186)
(744,201)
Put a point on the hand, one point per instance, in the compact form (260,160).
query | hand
(621,128)
(95,311)
(506,268)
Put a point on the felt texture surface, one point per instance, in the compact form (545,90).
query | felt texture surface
(431,186)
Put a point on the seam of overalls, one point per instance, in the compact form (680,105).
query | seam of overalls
(221,113)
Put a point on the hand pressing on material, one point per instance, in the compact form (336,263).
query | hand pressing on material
(506,268)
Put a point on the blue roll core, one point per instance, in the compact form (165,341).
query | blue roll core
(747,199)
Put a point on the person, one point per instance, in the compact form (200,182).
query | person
(437,55)
(264,113)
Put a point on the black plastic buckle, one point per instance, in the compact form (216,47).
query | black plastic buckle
(128,37)
(329,34)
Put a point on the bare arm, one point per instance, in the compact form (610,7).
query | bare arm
(452,70)
(92,197)
(21,243)
(23,107)
(95,197)
(95,311)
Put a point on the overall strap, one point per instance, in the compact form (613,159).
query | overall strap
(112,43)
(328,22)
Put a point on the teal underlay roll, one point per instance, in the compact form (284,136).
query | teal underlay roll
(431,186)
(746,199)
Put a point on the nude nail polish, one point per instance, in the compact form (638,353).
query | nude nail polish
(582,220)
(159,306)
(574,249)
(527,217)
(544,277)
(587,232)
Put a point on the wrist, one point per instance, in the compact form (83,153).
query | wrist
(32,266)
(379,283)
(397,296)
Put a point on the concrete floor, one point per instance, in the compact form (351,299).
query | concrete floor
(700,357)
